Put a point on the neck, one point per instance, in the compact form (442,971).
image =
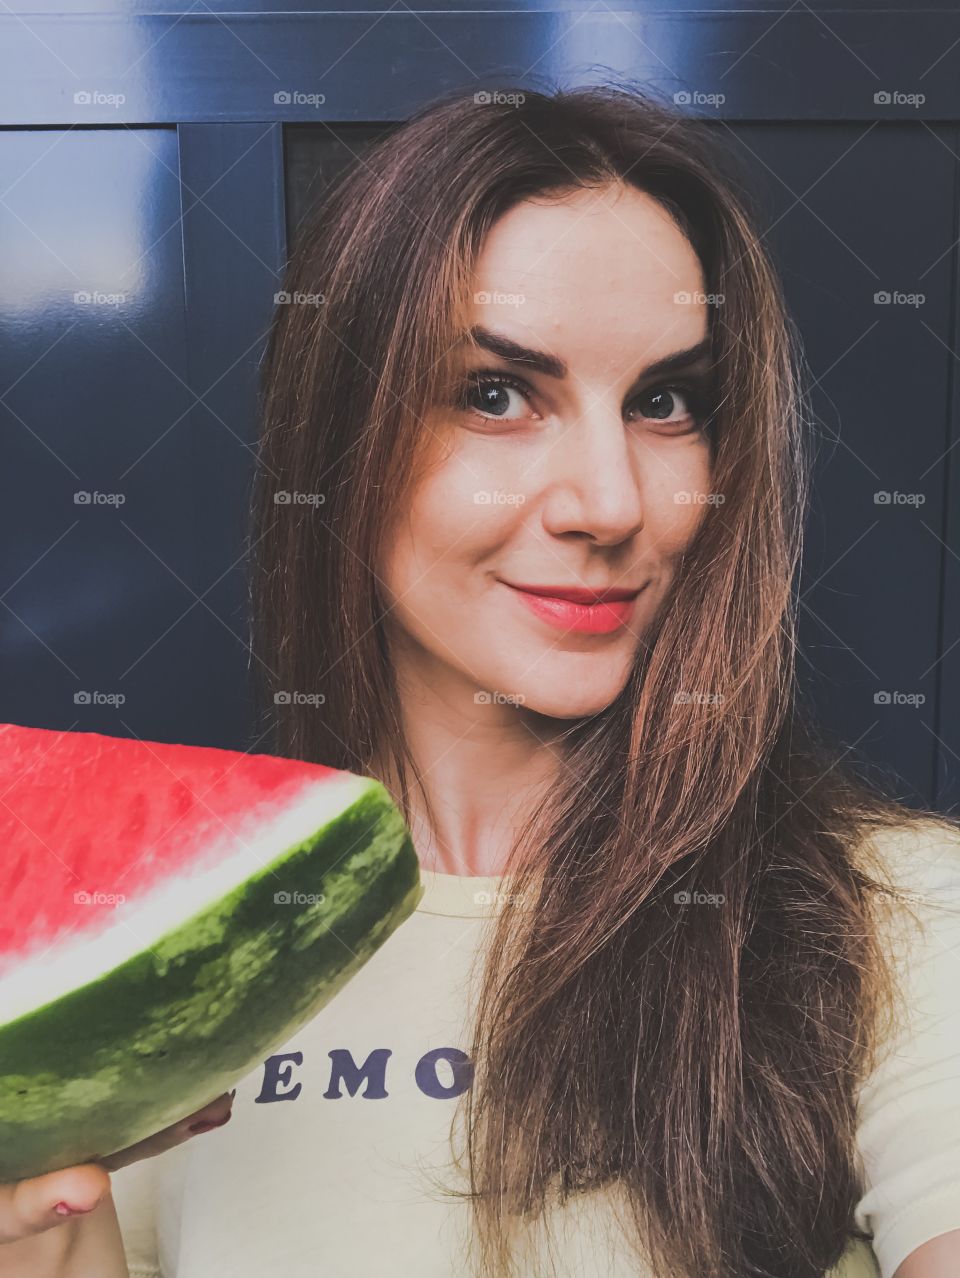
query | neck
(482,767)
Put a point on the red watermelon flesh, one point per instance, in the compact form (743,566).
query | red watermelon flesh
(171,914)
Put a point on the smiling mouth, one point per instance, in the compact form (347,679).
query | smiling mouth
(579,594)
(601,612)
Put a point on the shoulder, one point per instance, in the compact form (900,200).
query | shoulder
(919,847)
(918,861)
(917,914)
(908,1136)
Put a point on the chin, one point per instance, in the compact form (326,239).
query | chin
(561,703)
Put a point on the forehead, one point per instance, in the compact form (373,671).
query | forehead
(606,273)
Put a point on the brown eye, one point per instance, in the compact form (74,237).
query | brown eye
(673,406)
(666,404)
(495,397)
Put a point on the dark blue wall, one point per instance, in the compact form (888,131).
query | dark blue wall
(157,162)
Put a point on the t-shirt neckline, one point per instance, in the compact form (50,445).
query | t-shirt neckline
(463,895)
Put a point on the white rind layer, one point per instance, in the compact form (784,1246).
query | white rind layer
(231,858)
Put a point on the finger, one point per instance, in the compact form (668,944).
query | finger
(30,1206)
(214,1114)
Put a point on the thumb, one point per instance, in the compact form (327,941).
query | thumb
(31,1206)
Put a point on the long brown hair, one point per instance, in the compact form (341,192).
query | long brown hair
(703,1060)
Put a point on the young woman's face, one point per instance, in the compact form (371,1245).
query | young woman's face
(577,470)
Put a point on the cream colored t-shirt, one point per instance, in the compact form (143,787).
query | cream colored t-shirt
(325,1166)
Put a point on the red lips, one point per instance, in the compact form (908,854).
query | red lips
(578,594)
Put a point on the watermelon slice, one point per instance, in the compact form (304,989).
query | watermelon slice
(170,915)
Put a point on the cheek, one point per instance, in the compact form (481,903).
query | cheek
(675,496)
(454,519)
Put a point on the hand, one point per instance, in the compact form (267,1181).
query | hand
(36,1206)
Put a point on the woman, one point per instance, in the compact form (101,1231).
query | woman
(679,997)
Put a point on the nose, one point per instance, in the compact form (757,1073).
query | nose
(593,481)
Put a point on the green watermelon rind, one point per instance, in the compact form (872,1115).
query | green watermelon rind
(188,1017)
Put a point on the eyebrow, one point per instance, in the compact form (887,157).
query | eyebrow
(552,366)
